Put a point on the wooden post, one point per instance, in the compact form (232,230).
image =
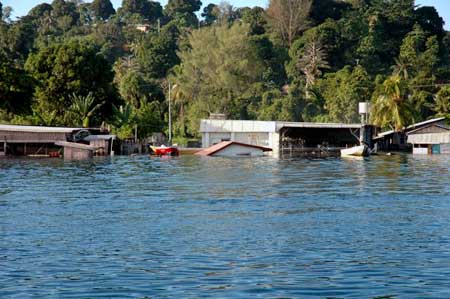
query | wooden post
(112,152)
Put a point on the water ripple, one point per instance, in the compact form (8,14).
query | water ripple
(193,227)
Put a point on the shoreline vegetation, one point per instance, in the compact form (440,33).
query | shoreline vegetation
(71,63)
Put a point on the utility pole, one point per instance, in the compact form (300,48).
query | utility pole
(170,111)
(170,116)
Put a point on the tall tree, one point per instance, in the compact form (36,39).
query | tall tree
(324,9)
(219,68)
(75,66)
(289,17)
(391,107)
(102,9)
(209,14)
(312,62)
(83,109)
(16,88)
(182,6)
(255,17)
(149,10)
(442,102)
(343,90)
(65,14)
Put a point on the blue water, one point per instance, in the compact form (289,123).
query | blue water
(193,227)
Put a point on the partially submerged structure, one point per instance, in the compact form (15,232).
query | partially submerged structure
(233,149)
(431,139)
(46,141)
(286,137)
(399,141)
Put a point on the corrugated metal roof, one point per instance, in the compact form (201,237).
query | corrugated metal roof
(215,125)
(413,126)
(224,144)
(37,129)
(443,127)
(316,125)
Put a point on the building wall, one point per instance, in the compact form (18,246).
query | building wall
(429,138)
(420,150)
(77,154)
(236,150)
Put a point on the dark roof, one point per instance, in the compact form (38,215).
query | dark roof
(224,144)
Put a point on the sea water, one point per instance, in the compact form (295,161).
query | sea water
(196,227)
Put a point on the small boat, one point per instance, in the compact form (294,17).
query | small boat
(356,151)
(165,150)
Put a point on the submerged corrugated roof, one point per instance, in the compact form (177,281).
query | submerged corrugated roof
(224,144)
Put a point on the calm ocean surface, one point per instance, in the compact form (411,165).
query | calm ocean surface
(192,227)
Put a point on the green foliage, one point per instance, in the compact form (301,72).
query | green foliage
(442,102)
(209,14)
(182,6)
(149,10)
(218,68)
(392,107)
(124,121)
(156,54)
(102,9)
(342,91)
(16,88)
(82,109)
(275,105)
(256,18)
(73,67)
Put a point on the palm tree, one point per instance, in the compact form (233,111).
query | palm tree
(45,118)
(392,107)
(401,68)
(442,102)
(82,108)
(124,121)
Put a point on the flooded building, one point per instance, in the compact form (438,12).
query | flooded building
(431,139)
(234,149)
(399,141)
(16,140)
(286,137)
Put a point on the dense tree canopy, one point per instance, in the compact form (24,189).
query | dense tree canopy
(102,9)
(73,67)
(80,63)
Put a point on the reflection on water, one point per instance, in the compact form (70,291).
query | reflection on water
(193,227)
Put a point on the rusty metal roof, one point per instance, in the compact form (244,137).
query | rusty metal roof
(224,144)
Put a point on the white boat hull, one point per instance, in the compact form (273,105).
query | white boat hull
(356,151)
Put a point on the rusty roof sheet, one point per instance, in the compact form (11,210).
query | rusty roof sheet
(220,146)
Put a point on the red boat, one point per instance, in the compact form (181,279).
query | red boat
(165,150)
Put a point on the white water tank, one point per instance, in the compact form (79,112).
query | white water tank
(364,108)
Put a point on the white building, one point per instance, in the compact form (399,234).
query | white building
(271,133)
